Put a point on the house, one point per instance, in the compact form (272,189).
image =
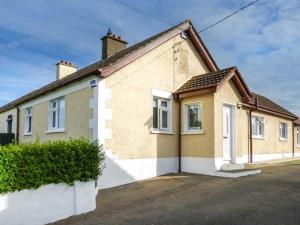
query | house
(160,106)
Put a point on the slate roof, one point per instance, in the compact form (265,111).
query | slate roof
(297,122)
(213,79)
(269,104)
(89,70)
(204,80)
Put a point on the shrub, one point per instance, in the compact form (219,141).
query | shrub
(29,166)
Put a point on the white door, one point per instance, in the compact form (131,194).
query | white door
(227,132)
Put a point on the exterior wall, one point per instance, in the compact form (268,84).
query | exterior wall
(77,116)
(271,144)
(199,144)
(133,151)
(131,104)
(47,204)
(3,122)
(228,94)
(297,147)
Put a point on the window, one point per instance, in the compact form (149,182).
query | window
(283,130)
(9,123)
(161,114)
(57,114)
(28,119)
(298,136)
(193,118)
(258,126)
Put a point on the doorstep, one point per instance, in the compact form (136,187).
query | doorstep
(237,173)
(233,173)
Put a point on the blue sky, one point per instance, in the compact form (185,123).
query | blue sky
(263,41)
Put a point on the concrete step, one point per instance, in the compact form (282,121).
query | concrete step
(231,166)
(236,173)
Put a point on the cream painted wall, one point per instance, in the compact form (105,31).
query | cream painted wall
(271,144)
(164,69)
(3,122)
(297,147)
(77,115)
(201,144)
(228,94)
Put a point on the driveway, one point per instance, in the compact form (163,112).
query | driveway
(272,197)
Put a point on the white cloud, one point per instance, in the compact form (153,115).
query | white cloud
(263,41)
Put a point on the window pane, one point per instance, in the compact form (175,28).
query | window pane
(194,117)
(155,117)
(164,104)
(61,113)
(164,115)
(254,127)
(283,130)
(161,114)
(29,124)
(54,119)
(9,123)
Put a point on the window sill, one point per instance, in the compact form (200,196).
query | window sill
(161,132)
(258,137)
(282,139)
(193,132)
(55,131)
(27,134)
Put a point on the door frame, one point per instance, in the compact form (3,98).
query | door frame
(233,131)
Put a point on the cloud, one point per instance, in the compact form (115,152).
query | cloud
(263,41)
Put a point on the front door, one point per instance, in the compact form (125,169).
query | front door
(227,132)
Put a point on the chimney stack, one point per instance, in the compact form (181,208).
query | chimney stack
(112,44)
(64,68)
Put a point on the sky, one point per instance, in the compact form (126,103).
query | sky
(263,41)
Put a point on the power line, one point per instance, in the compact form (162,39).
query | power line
(143,12)
(171,24)
(227,17)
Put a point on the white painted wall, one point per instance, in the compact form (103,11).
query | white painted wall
(124,171)
(264,157)
(201,165)
(3,120)
(47,204)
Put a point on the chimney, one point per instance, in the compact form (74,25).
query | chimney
(112,44)
(64,68)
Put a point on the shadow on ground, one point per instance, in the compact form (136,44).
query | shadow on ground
(272,197)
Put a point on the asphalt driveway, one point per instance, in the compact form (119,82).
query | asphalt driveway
(272,197)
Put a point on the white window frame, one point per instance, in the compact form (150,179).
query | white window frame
(260,132)
(280,131)
(59,114)
(188,129)
(298,136)
(160,128)
(28,119)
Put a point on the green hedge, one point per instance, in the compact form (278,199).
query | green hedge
(29,166)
